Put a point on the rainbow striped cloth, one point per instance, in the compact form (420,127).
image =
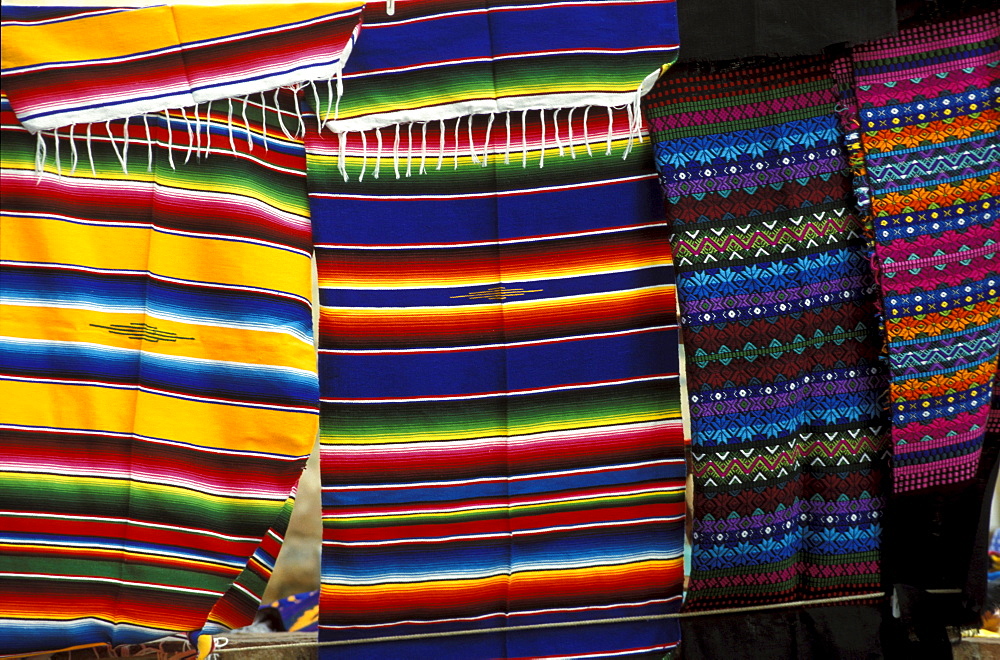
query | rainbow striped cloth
(157,239)
(501,442)
(159,374)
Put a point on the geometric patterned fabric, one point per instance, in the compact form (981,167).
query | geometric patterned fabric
(789,441)
(927,103)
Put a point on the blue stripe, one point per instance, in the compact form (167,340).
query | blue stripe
(501,369)
(130,294)
(243,382)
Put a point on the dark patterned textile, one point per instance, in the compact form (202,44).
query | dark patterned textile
(789,441)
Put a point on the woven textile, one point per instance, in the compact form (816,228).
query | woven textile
(157,352)
(780,336)
(442,59)
(159,375)
(501,442)
(63,65)
(929,141)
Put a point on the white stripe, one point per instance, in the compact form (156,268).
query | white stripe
(504,479)
(130,583)
(511,533)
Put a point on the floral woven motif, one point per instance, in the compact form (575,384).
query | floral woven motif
(927,102)
(789,440)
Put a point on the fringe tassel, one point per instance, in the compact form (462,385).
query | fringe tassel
(170,141)
(246,124)
(74,158)
(555,129)
(342,155)
(41,151)
(409,149)
(541,153)
(423,148)
(524,138)
(55,139)
(486,145)
(441,145)
(472,144)
(149,143)
(506,151)
(395,153)
(364,156)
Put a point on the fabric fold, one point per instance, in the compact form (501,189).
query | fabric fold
(65,66)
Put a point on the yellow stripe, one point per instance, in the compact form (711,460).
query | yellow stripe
(196,341)
(148,28)
(200,22)
(184,257)
(128,411)
(514,428)
(97,37)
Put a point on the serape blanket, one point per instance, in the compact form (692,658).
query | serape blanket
(67,65)
(159,374)
(501,435)
(158,378)
(501,445)
(789,441)
(428,62)
(927,102)
(180,224)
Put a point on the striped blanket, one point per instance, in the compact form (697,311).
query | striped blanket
(501,436)
(159,378)
(158,348)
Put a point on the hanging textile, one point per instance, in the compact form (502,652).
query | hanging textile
(928,111)
(214,381)
(789,443)
(159,379)
(926,139)
(501,437)
(501,445)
